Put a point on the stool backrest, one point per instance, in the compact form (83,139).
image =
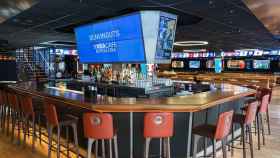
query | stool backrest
(264,103)
(1,97)
(4,97)
(157,125)
(27,106)
(98,125)
(13,100)
(251,111)
(51,114)
(224,125)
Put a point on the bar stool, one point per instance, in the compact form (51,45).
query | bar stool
(7,111)
(262,110)
(99,127)
(16,114)
(158,125)
(28,115)
(55,121)
(2,107)
(218,132)
(245,121)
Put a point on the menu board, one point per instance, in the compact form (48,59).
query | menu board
(115,40)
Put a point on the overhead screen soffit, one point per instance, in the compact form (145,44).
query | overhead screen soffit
(10,8)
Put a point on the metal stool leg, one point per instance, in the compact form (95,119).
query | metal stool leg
(74,126)
(40,128)
(25,129)
(67,141)
(262,128)
(147,146)
(168,148)
(116,146)
(8,120)
(33,135)
(103,148)
(58,141)
(19,118)
(232,139)
(205,146)
(258,132)
(50,130)
(195,141)
(96,148)
(4,118)
(90,142)
(251,142)
(214,148)
(110,149)
(160,147)
(224,148)
(13,124)
(268,121)
(243,140)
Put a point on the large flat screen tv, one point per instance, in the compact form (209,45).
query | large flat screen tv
(115,40)
(194,64)
(261,64)
(177,64)
(236,64)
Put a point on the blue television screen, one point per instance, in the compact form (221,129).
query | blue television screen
(194,64)
(218,65)
(112,41)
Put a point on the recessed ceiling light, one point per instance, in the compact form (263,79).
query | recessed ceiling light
(191,43)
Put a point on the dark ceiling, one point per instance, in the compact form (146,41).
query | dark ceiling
(225,24)
(268,12)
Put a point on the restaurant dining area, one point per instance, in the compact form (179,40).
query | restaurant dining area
(139,79)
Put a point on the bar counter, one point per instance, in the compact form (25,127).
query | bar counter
(189,111)
(190,103)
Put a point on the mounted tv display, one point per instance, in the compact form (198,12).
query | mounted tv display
(115,40)
(218,65)
(166,36)
(261,64)
(177,64)
(194,64)
(236,64)
(210,64)
(141,37)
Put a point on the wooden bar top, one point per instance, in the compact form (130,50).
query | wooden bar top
(189,103)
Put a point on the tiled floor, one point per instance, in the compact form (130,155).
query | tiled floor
(271,150)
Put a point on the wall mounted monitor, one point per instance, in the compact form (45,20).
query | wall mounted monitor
(194,64)
(236,64)
(248,64)
(177,64)
(218,65)
(210,64)
(261,64)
